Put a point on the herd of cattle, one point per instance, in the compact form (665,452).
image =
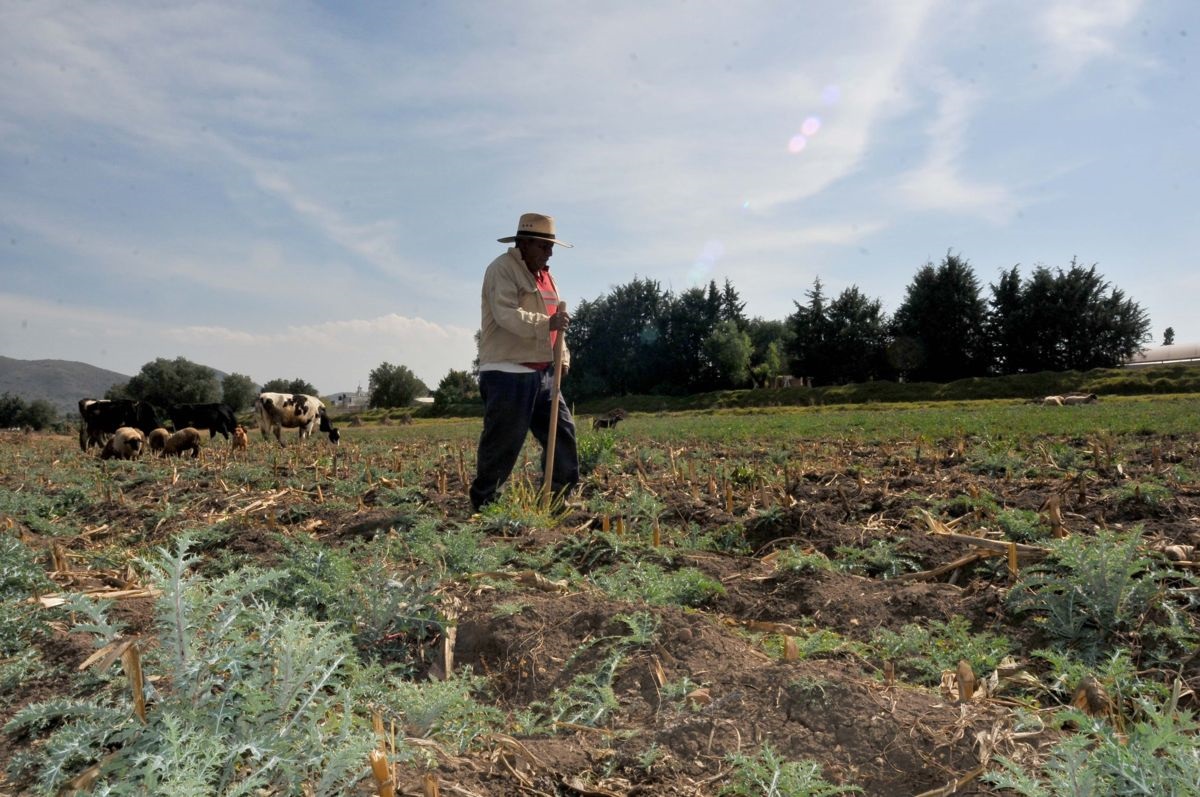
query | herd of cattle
(124,428)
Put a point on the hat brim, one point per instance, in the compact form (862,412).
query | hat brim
(513,238)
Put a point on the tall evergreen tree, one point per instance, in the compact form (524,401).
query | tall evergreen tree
(1063,320)
(856,338)
(943,315)
(809,330)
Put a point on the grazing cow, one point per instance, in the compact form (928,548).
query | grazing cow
(184,440)
(1080,398)
(101,417)
(278,411)
(609,420)
(213,417)
(126,443)
(240,439)
(157,440)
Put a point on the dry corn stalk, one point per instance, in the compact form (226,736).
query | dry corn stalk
(131,662)
(385,785)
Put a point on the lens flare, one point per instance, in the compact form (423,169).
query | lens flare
(797,143)
(810,127)
(709,255)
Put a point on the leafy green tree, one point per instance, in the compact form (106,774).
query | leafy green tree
(289,386)
(39,414)
(1169,336)
(770,341)
(456,387)
(393,386)
(944,315)
(11,409)
(615,341)
(180,381)
(728,349)
(238,391)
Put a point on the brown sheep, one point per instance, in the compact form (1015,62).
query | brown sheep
(126,443)
(186,439)
(240,440)
(157,439)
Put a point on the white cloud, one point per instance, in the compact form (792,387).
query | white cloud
(938,183)
(1078,31)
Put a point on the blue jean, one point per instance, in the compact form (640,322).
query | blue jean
(513,406)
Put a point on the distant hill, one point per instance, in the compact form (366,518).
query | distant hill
(61,382)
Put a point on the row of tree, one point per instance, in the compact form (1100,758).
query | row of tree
(37,414)
(639,338)
(166,382)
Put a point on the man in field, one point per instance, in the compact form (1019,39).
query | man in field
(520,323)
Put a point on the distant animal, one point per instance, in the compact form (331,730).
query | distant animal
(783,380)
(157,439)
(279,411)
(1080,398)
(126,443)
(100,418)
(1052,401)
(609,420)
(216,418)
(180,442)
(240,440)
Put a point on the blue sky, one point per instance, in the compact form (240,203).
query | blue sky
(285,189)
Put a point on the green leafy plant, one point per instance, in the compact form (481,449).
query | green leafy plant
(767,774)
(795,560)
(1022,525)
(596,449)
(250,697)
(1091,592)
(648,582)
(925,651)
(1157,755)
(880,559)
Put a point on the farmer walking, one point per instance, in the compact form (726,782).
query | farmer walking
(520,324)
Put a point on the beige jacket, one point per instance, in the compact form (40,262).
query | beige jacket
(514,323)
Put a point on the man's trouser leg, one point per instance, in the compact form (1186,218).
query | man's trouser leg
(566,458)
(508,401)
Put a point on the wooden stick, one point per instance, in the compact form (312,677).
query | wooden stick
(552,436)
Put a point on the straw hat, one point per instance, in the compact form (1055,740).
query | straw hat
(535,225)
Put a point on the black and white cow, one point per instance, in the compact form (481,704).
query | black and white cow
(102,417)
(213,417)
(278,411)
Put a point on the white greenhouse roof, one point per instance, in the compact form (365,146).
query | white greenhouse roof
(1176,352)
